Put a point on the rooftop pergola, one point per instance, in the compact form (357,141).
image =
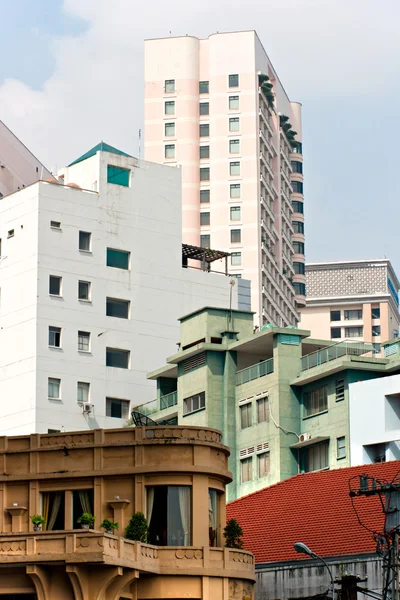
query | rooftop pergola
(204,255)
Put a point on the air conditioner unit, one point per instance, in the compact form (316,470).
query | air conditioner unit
(304,437)
(87,407)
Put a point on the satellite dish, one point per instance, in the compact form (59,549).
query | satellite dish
(141,420)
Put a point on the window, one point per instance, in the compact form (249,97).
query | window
(316,401)
(235,213)
(350,315)
(205,241)
(169,129)
(213,516)
(84,290)
(55,337)
(116,408)
(169,515)
(117,358)
(234,168)
(53,388)
(204,87)
(299,268)
(353,332)
(263,464)
(84,341)
(339,390)
(119,259)
(204,218)
(341,447)
(376,313)
(297,166)
(55,501)
(54,431)
(85,241)
(376,330)
(317,457)
(298,148)
(169,151)
(235,190)
(10,233)
(204,196)
(204,151)
(336,332)
(194,403)
(236,236)
(234,124)
(376,348)
(298,206)
(300,288)
(298,226)
(233,102)
(298,247)
(204,129)
(335,315)
(246,469)
(236,258)
(117,308)
(204,173)
(297,187)
(234,146)
(83,389)
(118,176)
(169,85)
(55,285)
(233,81)
(246,419)
(82,501)
(169,108)
(204,108)
(262,410)
(55,224)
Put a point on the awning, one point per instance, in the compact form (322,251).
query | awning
(310,442)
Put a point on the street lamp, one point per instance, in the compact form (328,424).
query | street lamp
(303,549)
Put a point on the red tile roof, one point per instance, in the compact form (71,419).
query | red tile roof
(313,508)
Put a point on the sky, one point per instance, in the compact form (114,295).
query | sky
(71,75)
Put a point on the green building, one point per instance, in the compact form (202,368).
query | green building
(279,397)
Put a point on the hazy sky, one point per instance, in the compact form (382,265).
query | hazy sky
(71,74)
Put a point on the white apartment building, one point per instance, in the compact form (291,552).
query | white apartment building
(91,287)
(217,108)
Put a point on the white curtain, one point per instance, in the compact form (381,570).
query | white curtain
(55,507)
(184,507)
(84,499)
(150,504)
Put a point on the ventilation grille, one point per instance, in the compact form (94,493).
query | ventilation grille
(194,362)
(246,452)
(263,447)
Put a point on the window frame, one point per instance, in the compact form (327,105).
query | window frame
(88,337)
(205,235)
(204,217)
(170,104)
(54,380)
(377,311)
(204,108)
(265,403)
(56,331)
(124,405)
(233,210)
(315,402)
(339,390)
(204,87)
(204,173)
(234,98)
(118,302)
(82,283)
(333,315)
(234,164)
(340,447)
(126,253)
(169,149)
(89,238)
(246,464)
(55,225)
(171,125)
(236,233)
(202,128)
(349,312)
(335,329)
(59,295)
(82,385)
(123,175)
(235,187)
(190,400)
(233,80)
(348,334)
(120,352)
(207,193)
(207,153)
(262,456)
(246,415)
(169,83)
(233,144)
(234,121)
(236,255)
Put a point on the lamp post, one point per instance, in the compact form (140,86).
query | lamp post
(303,549)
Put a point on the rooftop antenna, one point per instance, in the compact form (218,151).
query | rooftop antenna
(140,138)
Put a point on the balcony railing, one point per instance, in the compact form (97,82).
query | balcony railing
(336,351)
(169,400)
(255,371)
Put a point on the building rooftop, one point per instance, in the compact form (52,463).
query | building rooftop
(101,147)
(313,508)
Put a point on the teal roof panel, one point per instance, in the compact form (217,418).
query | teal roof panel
(102,147)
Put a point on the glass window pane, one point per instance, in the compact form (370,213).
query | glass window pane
(236,236)
(204,196)
(235,213)
(83,341)
(83,391)
(376,313)
(204,218)
(233,80)
(117,409)
(118,176)
(335,315)
(204,130)
(117,308)
(204,151)
(233,102)
(117,358)
(205,174)
(205,241)
(54,388)
(236,258)
(246,466)
(234,146)
(118,259)
(234,168)
(84,240)
(234,124)
(169,151)
(169,129)
(204,108)
(203,87)
(170,107)
(84,290)
(235,190)
(55,337)
(169,85)
(54,285)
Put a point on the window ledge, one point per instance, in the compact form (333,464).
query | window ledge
(340,457)
(323,412)
(84,352)
(56,296)
(54,399)
(56,228)
(194,412)
(84,301)
(55,347)
(85,251)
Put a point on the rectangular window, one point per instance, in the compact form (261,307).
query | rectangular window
(85,239)
(53,388)
(118,176)
(194,403)
(350,332)
(204,129)
(234,190)
(169,107)
(298,226)
(298,247)
(233,81)
(297,166)
(236,258)
(204,173)
(55,224)
(234,124)
(235,213)
(204,151)
(204,108)
(335,315)
(116,408)
(84,290)
(84,341)
(234,146)
(83,390)
(297,187)
(376,348)
(233,102)
(234,168)
(339,390)
(204,87)
(204,196)
(236,236)
(117,308)
(317,457)
(169,86)
(262,410)
(55,285)
(351,315)
(204,218)
(298,207)
(117,358)
(246,469)
(169,515)
(341,447)
(205,241)
(299,268)
(246,419)
(316,401)
(169,151)
(55,337)
(376,313)
(336,332)
(376,330)
(263,464)
(169,129)
(119,259)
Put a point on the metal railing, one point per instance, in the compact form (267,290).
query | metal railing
(336,351)
(255,371)
(169,400)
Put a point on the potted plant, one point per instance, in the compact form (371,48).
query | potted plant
(38,522)
(286,126)
(233,534)
(109,526)
(86,521)
(137,528)
(266,88)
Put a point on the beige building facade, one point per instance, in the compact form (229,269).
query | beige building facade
(175,475)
